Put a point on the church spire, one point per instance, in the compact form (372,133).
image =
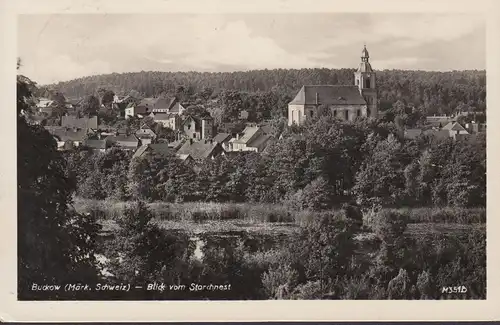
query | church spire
(364,54)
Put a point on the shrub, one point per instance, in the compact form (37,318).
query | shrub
(279,282)
(389,225)
(399,286)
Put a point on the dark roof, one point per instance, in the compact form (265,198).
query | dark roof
(66,134)
(259,140)
(329,95)
(222,137)
(155,148)
(81,123)
(439,134)
(157,103)
(198,149)
(124,137)
(96,144)
(191,117)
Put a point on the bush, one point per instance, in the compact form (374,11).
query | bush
(279,282)
(389,225)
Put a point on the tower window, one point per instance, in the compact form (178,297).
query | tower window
(357,82)
(346,114)
(367,83)
(312,113)
(359,112)
(367,112)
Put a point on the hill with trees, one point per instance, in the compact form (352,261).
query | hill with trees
(431,92)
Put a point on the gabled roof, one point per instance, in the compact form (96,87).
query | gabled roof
(123,138)
(191,117)
(259,140)
(66,134)
(453,126)
(222,137)
(198,149)
(248,134)
(176,108)
(328,95)
(80,123)
(155,148)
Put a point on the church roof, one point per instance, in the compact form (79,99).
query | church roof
(365,67)
(328,95)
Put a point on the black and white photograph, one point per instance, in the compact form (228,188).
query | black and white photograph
(251,156)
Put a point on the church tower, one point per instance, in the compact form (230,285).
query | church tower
(365,80)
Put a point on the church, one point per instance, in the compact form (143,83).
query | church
(346,102)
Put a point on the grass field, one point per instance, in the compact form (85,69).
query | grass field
(202,217)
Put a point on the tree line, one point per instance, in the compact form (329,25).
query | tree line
(324,163)
(429,91)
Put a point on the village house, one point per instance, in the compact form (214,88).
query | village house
(197,128)
(168,120)
(123,141)
(253,138)
(438,121)
(69,121)
(67,138)
(154,105)
(455,130)
(202,149)
(96,145)
(224,140)
(346,102)
(145,135)
(45,106)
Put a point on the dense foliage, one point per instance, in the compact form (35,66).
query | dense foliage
(431,92)
(326,163)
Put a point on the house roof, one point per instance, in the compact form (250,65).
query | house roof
(157,102)
(176,108)
(198,149)
(155,148)
(328,95)
(454,126)
(96,144)
(145,133)
(191,117)
(176,144)
(44,102)
(130,140)
(259,140)
(163,116)
(80,123)
(248,134)
(222,137)
(66,134)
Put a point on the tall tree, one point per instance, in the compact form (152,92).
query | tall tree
(55,244)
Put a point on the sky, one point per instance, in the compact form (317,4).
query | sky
(62,47)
